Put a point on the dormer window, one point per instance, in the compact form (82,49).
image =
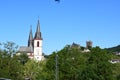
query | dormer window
(38,44)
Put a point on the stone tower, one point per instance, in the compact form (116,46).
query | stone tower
(88,44)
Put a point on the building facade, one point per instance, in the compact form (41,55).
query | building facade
(34,48)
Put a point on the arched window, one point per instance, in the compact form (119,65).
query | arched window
(38,44)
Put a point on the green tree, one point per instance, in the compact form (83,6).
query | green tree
(34,69)
(116,71)
(9,65)
(10,47)
(71,62)
(99,67)
(22,58)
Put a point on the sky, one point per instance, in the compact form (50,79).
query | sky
(61,23)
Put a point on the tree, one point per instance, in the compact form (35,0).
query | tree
(33,69)
(22,58)
(9,65)
(99,67)
(71,62)
(10,47)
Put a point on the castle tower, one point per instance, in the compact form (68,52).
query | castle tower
(88,44)
(38,44)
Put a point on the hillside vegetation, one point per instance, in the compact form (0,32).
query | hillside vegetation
(69,63)
(114,49)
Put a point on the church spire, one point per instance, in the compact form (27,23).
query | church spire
(38,33)
(30,40)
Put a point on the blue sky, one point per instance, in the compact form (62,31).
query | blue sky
(61,23)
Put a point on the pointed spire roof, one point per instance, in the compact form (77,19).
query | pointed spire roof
(38,26)
(38,33)
(30,40)
(30,34)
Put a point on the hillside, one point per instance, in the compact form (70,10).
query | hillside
(114,49)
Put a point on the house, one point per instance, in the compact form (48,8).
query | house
(113,61)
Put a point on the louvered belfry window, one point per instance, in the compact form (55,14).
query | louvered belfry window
(38,44)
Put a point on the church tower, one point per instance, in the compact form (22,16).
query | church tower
(30,45)
(34,47)
(30,40)
(38,44)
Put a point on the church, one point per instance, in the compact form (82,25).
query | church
(34,48)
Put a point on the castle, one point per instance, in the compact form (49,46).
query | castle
(34,48)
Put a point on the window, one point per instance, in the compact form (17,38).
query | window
(38,44)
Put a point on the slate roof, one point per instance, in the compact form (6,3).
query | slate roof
(30,40)
(25,49)
(75,45)
(38,33)
(30,35)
